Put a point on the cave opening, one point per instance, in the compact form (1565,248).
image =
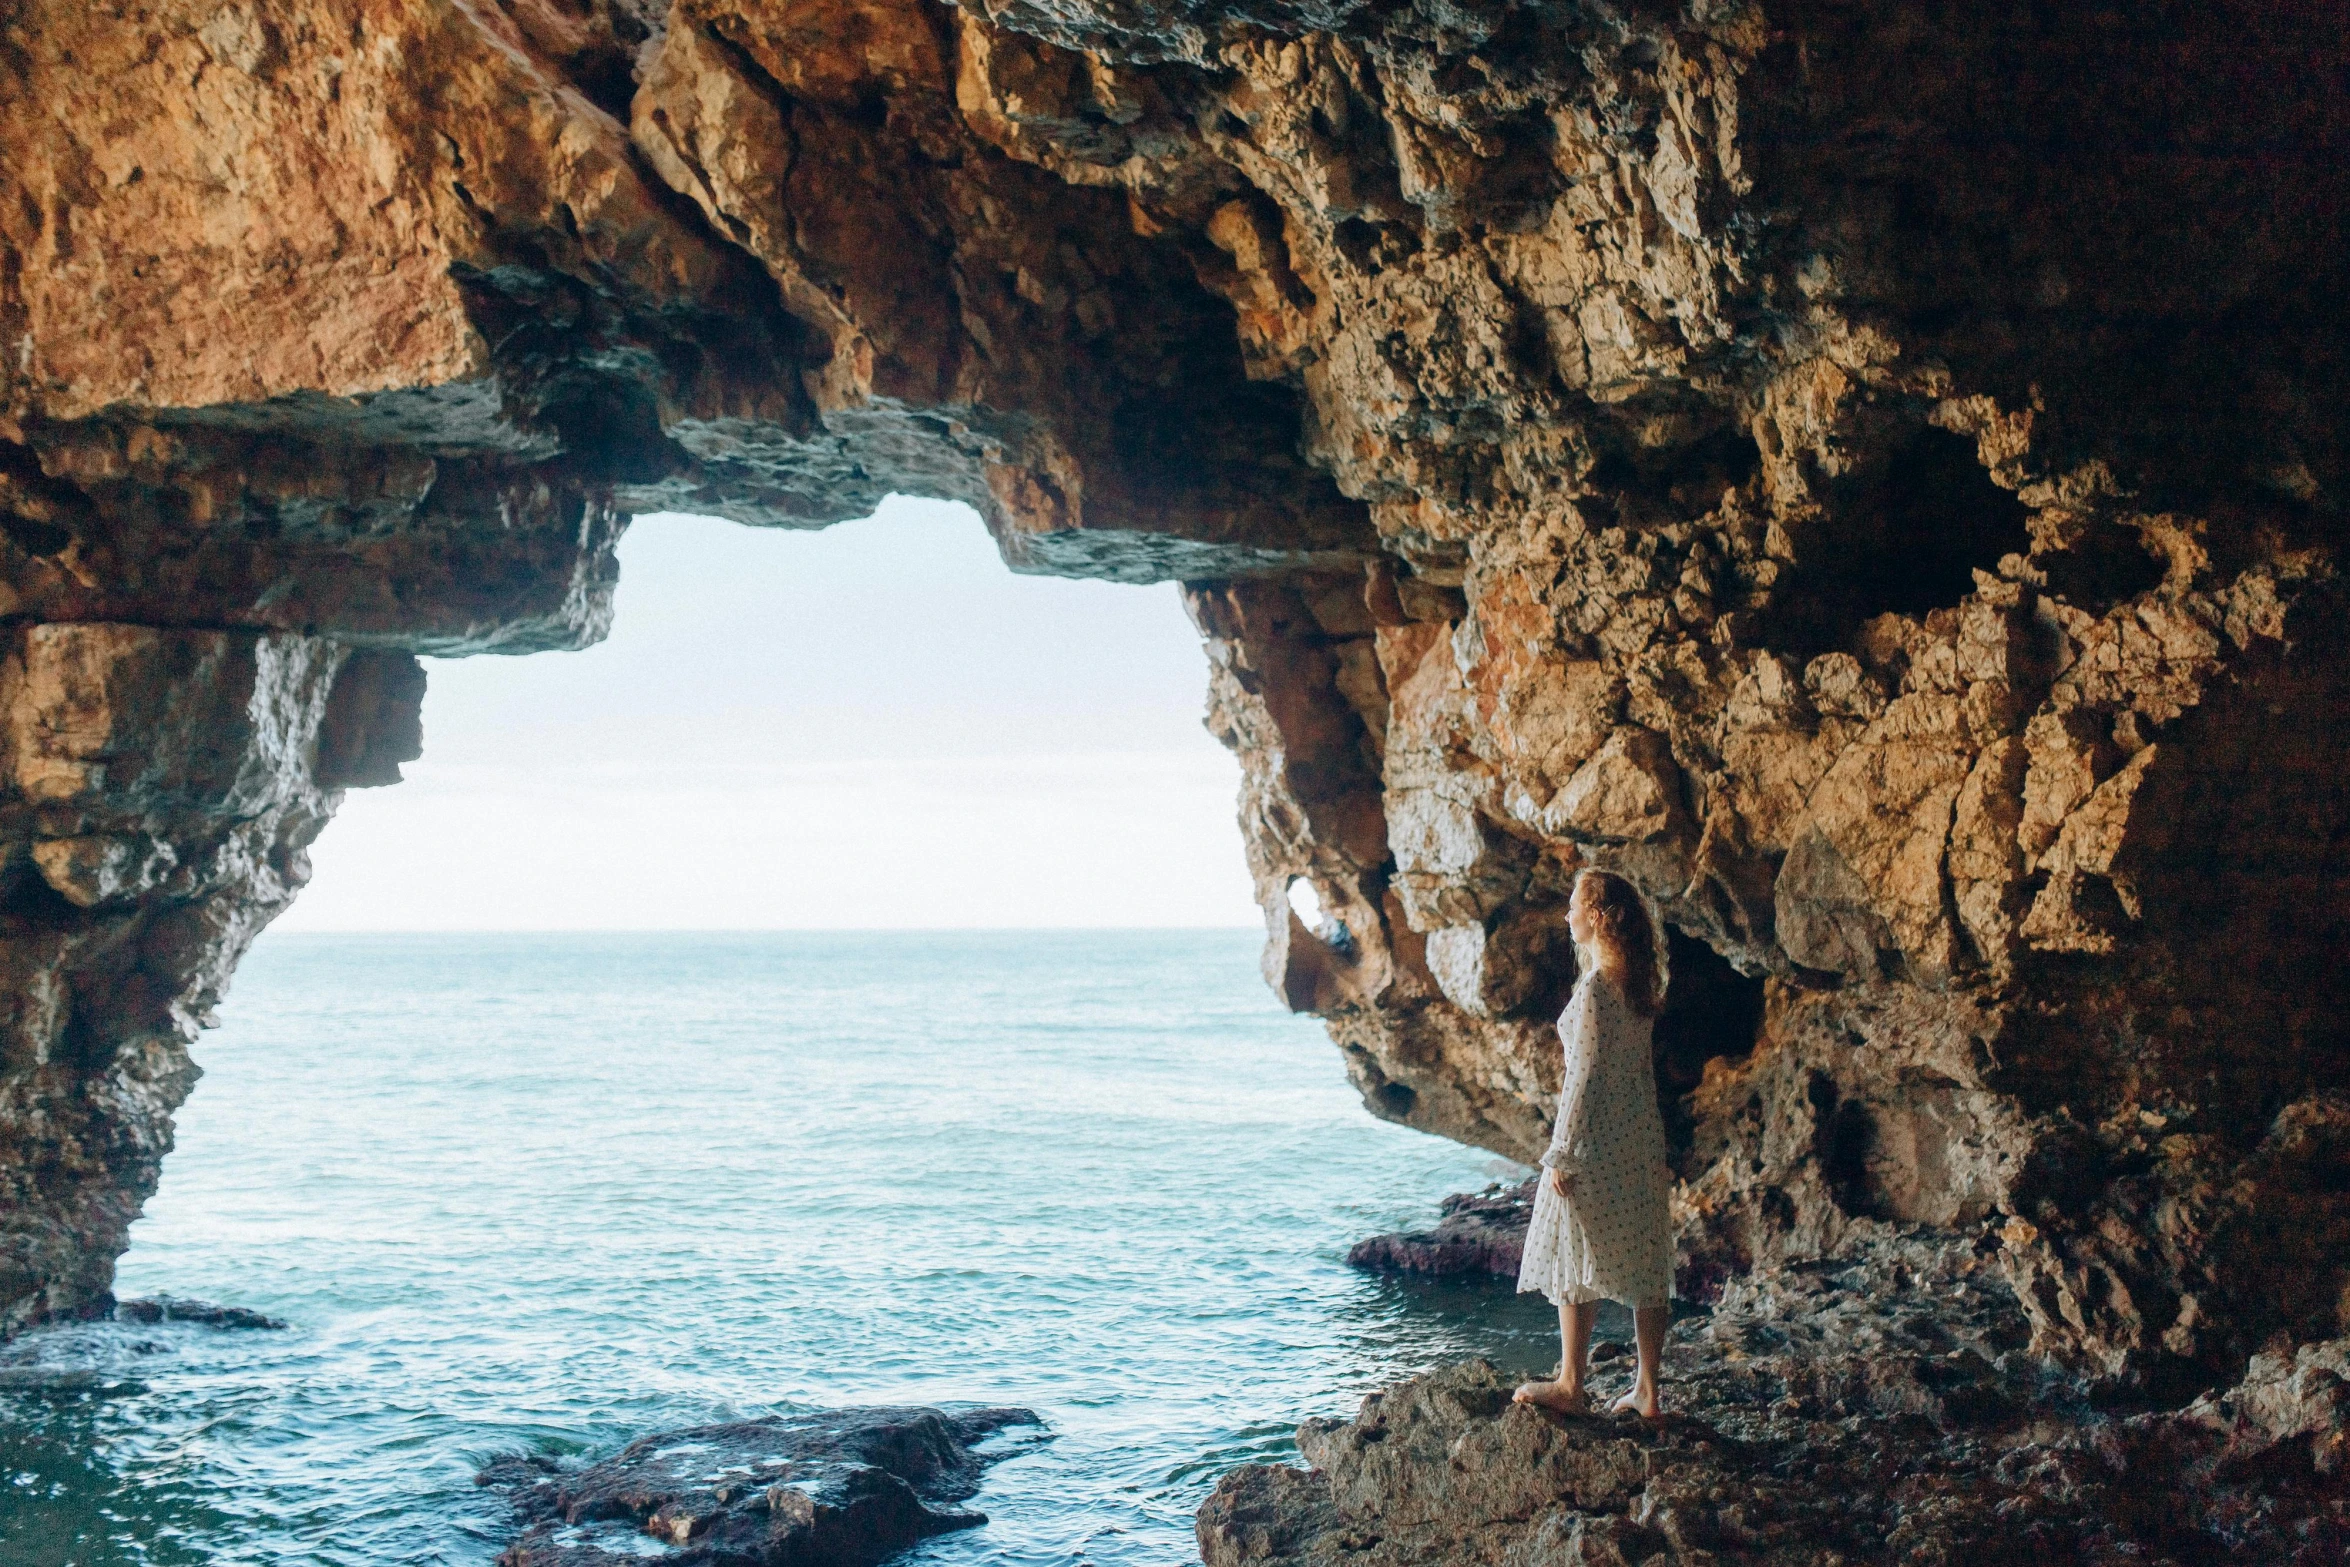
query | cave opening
(1847,1138)
(749,1165)
(1903,535)
(1712,1013)
(872,725)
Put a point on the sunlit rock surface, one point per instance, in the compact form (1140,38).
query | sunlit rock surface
(162,786)
(1870,474)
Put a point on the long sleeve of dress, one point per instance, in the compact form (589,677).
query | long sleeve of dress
(1570,1134)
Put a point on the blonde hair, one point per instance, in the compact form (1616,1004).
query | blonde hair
(1626,934)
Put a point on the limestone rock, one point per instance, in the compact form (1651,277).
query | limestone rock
(1628,791)
(203,1313)
(1713,442)
(161,786)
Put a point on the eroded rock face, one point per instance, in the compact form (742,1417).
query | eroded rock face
(161,787)
(1871,477)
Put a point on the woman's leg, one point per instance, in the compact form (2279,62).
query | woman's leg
(1648,1337)
(1564,1392)
(1575,1324)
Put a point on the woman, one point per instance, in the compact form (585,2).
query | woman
(1602,1229)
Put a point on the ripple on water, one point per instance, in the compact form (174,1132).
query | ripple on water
(549,1193)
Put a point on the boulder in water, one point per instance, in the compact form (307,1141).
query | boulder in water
(842,1486)
(1479,1232)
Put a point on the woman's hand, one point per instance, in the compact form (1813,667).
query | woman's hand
(1562,1185)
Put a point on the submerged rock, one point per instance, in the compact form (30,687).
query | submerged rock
(204,1313)
(1873,1410)
(1478,1232)
(842,1486)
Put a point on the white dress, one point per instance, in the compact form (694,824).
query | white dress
(1613,1239)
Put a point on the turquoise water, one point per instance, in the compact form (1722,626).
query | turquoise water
(550,1192)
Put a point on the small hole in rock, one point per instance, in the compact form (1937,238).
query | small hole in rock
(34,537)
(1690,475)
(612,431)
(1305,903)
(1326,927)
(1845,1135)
(1372,246)
(1612,474)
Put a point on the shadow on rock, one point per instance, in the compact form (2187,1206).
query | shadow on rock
(844,1486)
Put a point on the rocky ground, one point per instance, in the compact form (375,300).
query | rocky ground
(837,1488)
(1883,1409)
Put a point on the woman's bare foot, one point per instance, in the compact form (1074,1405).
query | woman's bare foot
(1556,1397)
(1641,1401)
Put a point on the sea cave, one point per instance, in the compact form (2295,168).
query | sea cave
(1869,473)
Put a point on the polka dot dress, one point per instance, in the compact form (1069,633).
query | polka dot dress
(1613,1238)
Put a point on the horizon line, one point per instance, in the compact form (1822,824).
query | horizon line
(753,930)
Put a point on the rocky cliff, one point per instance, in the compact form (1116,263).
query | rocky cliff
(1872,473)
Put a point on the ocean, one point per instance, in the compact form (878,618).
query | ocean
(551,1192)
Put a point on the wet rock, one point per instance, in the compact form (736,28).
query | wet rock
(1874,1408)
(1478,1232)
(204,1313)
(846,1486)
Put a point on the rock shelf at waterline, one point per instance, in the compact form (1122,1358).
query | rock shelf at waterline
(838,1488)
(1839,1414)
(1475,1233)
(203,1313)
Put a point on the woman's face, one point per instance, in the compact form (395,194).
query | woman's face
(1579,913)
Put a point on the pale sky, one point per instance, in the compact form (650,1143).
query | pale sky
(872,726)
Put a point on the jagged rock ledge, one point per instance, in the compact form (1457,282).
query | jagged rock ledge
(838,1487)
(1879,1409)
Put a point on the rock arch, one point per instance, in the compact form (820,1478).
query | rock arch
(1541,403)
